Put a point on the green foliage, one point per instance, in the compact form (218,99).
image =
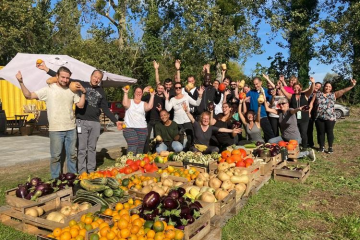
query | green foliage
(235,71)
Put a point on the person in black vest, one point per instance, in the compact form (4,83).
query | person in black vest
(88,118)
(313,112)
(297,100)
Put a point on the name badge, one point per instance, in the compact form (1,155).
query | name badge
(78,126)
(298,115)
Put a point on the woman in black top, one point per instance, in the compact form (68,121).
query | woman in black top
(297,100)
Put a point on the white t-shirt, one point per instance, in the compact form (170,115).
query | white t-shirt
(275,106)
(135,115)
(180,116)
(59,104)
(218,107)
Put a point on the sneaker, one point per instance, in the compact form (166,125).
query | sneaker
(330,150)
(312,155)
(321,149)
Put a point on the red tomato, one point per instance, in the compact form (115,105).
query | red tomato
(114,172)
(129,162)
(128,170)
(146,159)
(243,152)
(147,167)
(134,167)
(138,162)
(249,160)
(122,170)
(240,164)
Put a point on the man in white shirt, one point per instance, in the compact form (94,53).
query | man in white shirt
(59,102)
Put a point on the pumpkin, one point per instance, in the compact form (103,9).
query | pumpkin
(282,143)
(222,87)
(290,146)
(261,98)
(294,142)
(225,154)
(56,217)
(242,96)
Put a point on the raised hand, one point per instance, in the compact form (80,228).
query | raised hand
(126,89)
(156,64)
(201,90)
(266,77)
(227,92)
(353,82)
(42,66)
(159,107)
(166,94)
(312,80)
(19,77)
(147,89)
(177,64)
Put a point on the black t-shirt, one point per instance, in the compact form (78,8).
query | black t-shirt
(201,137)
(95,99)
(298,103)
(154,114)
(224,139)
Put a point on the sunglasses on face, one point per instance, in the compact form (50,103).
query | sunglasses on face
(282,103)
(177,87)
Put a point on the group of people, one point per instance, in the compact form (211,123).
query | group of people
(213,118)
(206,118)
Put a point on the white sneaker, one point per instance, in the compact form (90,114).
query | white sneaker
(312,155)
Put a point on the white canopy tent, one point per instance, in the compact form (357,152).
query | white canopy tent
(35,79)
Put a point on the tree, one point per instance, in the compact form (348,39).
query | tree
(279,66)
(296,19)
(25,26)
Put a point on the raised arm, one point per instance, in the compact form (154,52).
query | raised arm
(156,67)
(341,92)
(269,110)
(126,100)
(311,89)
(282,80)
(226,130)
(186,109)
(242,118)
(177,66)
(211,110)
(25,91)
(198,100)
(168,103)
(258,114)
(149,105)
(268,80)
(287,95)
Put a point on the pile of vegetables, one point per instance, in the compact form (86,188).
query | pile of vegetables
(35,187)
(190,174)
(193,157)
(162,187)
(237,156)
(34,211)
(137,182)
(100,190)
(173,208)
(293,168)
(66,211)
(216,187)
(267,150)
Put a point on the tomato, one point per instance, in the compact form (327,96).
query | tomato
(142,164)
(146,159)
(114,172)
(129,162)
(240,164)
(249,160)
(134,167)
(147,167)
(128,170)
(137,162)
(122,170)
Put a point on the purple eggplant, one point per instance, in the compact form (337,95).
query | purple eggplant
(22,192)
(181,227)
(174,194)
(150,216)
(181,199)
(181,191)
(30,195)
(48,190)
(42,187)
(198,204)
(70,176)
(28,185)
(164,218)
(151,200)
(170,204)
(193,207)
(62,177)
(185,210)
(35,181)
(190,219)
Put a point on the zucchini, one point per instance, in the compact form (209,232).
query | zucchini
(89,186)
(92,199)
(111,200)
(113,183)
(118,193)
(99,181)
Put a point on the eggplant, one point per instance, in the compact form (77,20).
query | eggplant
(190,219)
(30,195)
(151,200)
(164,218)
(170,204)
(181,199)
(174,194)
(258,143)
(193,207)
(150,216)
(22,192)
(35,181)
(28,185)
(198,204)
(185,210)
(48,190)
(42,187)
(62,177)
(70,176)
(181,191)
(181,227)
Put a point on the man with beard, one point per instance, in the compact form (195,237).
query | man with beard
(88,118)
(210,95)
(153,116)
(231,95)
(59,102)
(254,95)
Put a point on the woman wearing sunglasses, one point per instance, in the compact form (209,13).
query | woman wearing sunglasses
(288,125)
(180,116)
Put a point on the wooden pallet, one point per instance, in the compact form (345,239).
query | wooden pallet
(290,175)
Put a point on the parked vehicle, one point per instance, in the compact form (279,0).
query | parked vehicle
(117,109)
(341,111)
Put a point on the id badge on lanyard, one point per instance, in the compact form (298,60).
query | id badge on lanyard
(78,125)
(298,114)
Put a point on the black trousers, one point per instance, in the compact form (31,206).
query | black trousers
(325,126)
(150,127)
(303,127)
(189,130)
(310,133)
(266,127)
(274,125)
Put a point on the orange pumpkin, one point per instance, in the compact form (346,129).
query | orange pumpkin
(237,157)
(235,152)
(290,146)
(225,154)
(230,160)
(282,144)
(294,142)
(242,95)
(243,153)
(222,87)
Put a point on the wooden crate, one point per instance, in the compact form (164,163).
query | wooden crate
(19,203)
(199,229)
(210,168)
(240,204)
(294,154)
(214,234)
(169,163)
(266,167)
(206,206)
(87,236)
(254,173)
(290,175)
(227,204)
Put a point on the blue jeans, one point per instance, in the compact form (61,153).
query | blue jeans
(57,140)
(175,145)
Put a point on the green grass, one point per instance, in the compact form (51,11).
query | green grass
(324,207)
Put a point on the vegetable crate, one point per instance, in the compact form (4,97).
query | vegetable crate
(169,163)
(210,168)
(254,173)
(19,203)
(87,236)
(267,166)
(291,174)
(214,234)
(294,154)
(54,205)
(198,229)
